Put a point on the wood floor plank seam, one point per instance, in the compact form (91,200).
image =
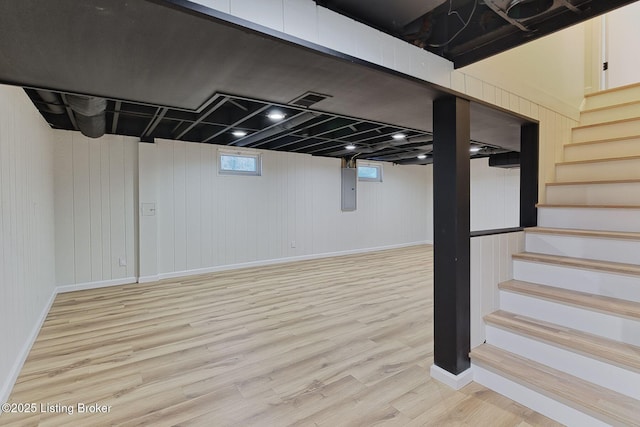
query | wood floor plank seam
(335,341)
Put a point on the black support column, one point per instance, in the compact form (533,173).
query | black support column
(451,190)
(529,175)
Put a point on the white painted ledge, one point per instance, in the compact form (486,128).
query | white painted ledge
(456,382)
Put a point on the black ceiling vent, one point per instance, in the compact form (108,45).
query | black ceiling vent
(309,99)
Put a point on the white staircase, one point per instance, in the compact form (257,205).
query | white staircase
(566,340)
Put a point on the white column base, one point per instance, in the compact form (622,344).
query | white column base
(456,382)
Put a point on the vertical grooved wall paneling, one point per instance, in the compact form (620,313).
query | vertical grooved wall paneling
(495,196)
(490,265)
(27,238)
(207,220)
(95,208)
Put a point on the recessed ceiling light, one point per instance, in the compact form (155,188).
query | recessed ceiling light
(422,156)
(350,147)
(399,136)
(475,149)
(276,115)
(239,133)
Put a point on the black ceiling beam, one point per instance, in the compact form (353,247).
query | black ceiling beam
(324,133)
(202,116)
(281,126)
(290,133)
(155,121)
(72,118)
(237,122)
(116,116)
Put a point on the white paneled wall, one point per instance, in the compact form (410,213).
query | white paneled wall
(95,209)
(206,221)
(495,196)
(490,265)
(26,229)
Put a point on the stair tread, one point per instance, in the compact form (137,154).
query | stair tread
(584,233)
(599,402)
(557,205)
(600,160)
(597,182)
(590,264)
(621,354)
(586,300)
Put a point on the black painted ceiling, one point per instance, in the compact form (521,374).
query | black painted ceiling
(173,69)
(466,31)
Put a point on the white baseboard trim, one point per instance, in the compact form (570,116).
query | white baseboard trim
(5,391)
(456,382)
(261,263)
(95,285)
(10,381)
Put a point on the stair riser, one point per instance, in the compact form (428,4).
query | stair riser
(617,112)
(590,219)
(604,249)
(598,171)
(626,129)
(601,150)
(613,377)
(591,281)
(605,325)
(612,98)
(532,399)
(616,194)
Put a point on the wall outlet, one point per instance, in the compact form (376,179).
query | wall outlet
(122,261)
(293,243)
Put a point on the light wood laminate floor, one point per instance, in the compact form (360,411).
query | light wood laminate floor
(343,341)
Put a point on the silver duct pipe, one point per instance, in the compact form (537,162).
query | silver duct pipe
(90,114)
(54,105)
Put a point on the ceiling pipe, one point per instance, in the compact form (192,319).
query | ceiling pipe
(90,114)
(52,101)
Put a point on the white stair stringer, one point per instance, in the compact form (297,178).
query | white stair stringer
(614,285)
(589,218)
(615,247)
(590,369)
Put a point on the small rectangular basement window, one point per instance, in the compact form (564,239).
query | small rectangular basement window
(239,163)
(370,172)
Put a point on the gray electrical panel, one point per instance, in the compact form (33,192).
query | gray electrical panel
(349,188)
